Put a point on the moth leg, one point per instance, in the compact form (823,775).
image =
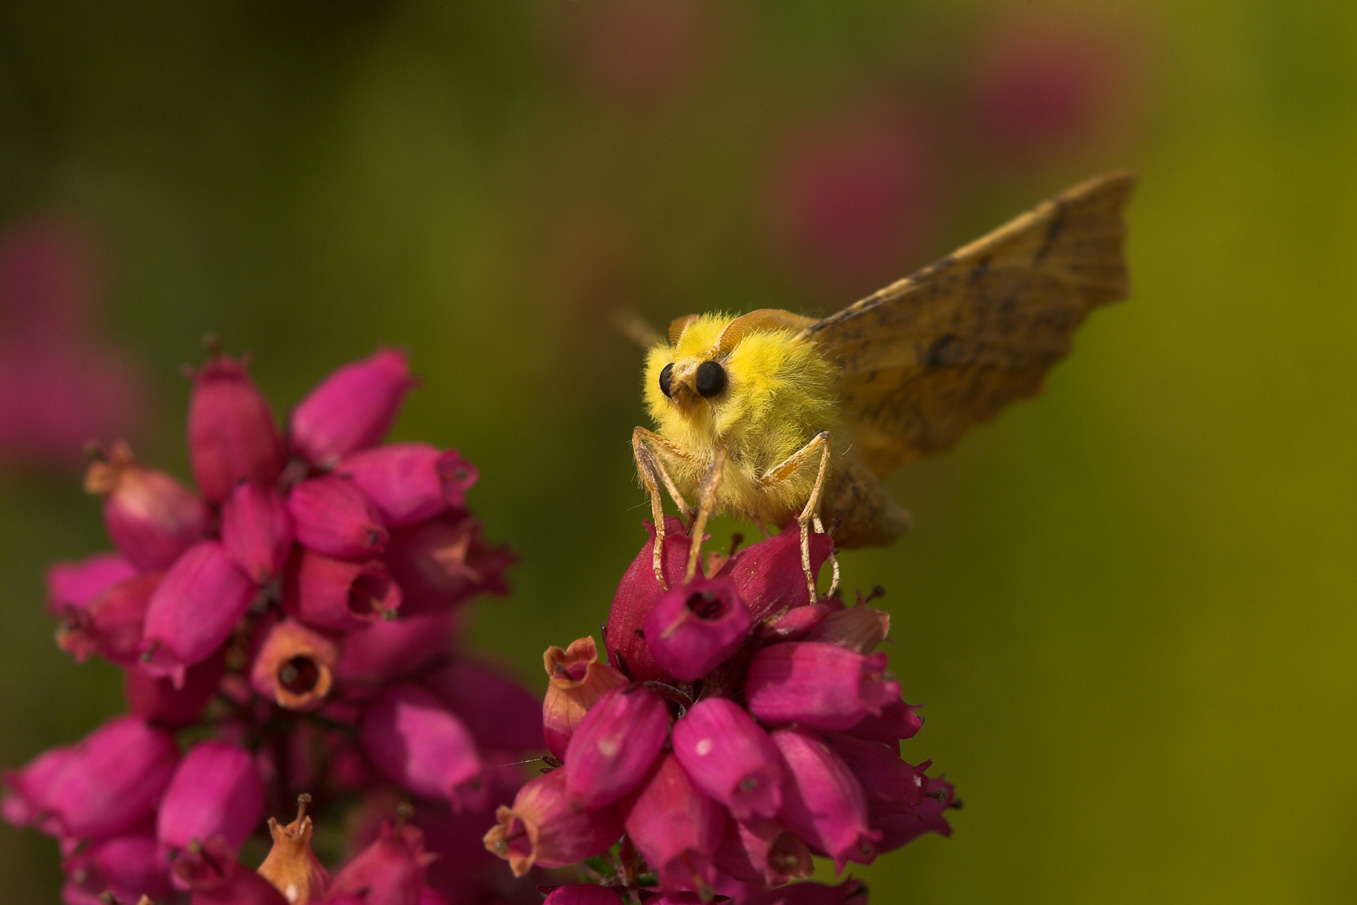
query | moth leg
(650,449)
(810,514)
(706,501)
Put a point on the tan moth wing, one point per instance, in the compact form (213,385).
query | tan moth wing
(948,347)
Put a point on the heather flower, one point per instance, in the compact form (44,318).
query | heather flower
(294,666)
(576,679)
(331,515)
(390,871)
(111,624)
(818,684)
(352,409)
(544,828)
(231,436)
(256,531)
(194,609)
(614,746)
(693,628)
(730,757)
(677,828)
(412,738)
(151,517)
(409,482)
(338,594)
(127,866)
(824,804)
(216,790)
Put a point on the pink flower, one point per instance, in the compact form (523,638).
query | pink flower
(216,790)
(231,435)
(336,594)
(150,516)
(193,610)
(824,801)
(677,828)
(693,628)
(390,871)
(614,745)
(730,757)
(351,409)
(816,684)
(409,482)
(577,679)
(256,531)
(331,515)
(544,828)
(417,742)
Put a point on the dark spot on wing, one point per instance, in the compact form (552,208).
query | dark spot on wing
(1053,231)
(937,356)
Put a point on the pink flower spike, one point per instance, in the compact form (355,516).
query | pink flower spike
(637,592)
(126,866)
(730,757)
(331,515)
(112,780)
(824,803)
(294,666)
(768,575)
(390,871)
(677,828)
(193,610)
(544,829)
(352,409)
(215,790)
(413,739)
(256,531)
(576,679)
(615,745)
(111,624)
(150,516)
(583,894)
(693,628)
(818,685)
(74,584)
(409,482)
(338,595)
(231,437)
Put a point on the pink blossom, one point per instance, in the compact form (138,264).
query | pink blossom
(351,409)
(231,435)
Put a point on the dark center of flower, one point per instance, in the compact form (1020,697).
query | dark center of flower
(366,593)
(299,674)
(705,604)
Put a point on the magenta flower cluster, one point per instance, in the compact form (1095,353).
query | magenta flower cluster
(284,632)
(741,729)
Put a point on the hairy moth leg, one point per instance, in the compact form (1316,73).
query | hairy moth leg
(706,501)
(650,449)
(810,513)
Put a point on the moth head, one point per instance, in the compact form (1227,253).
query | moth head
(690,380)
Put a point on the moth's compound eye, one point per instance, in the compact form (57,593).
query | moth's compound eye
(666,375)
(711,379)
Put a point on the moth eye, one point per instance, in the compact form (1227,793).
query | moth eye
(711,379)
(665,376)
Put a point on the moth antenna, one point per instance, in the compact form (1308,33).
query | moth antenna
(636,328)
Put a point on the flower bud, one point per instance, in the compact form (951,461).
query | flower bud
(415,741)
(818,685)
(331,515)
(442,562)
(291,866)
(677,828)
(111,624)
(256,531)
(615,745)
(409,482)
(730,757)
(216,790)
(338,595)
(576,679)
(637,592)
(693,628)
(824,803)
(768,575)
(390,871)
(150,516)
(193,610)
(544,829)
(231,437)
(294,666)
(351,409)
(71,585)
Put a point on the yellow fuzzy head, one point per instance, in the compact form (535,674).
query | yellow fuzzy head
(743,382)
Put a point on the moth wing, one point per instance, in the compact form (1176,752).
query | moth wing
(948,347)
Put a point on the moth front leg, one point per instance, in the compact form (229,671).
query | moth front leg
(810,514)
(650,450)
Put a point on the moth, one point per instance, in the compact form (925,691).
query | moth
(774,417)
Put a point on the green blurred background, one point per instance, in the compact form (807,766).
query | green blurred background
(1129,606)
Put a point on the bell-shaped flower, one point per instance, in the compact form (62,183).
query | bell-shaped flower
(693,628)
(442,562)
(256,531)
(624,637)
(816,684)
(677,828)
(337,594)
(29,788)
(891,786)
(125,866)
(216,790)
(112,779)
(294,666)
(615,745)
(194,610)
(543,828)
(824,803)
(351,409)
(768,575)
(331,515)
(413,739)
(576,678)
(291,865)
(409,482)
(150,516)
(730,757)
(111,624)
(763,851)
(231,437)
(928,817)
(71,585)
(158,701)
(390,871)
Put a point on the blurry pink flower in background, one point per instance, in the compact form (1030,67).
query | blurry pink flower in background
(853,197)
(62,384)
(1045,88)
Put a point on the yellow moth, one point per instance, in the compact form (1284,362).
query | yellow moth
(771,416)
